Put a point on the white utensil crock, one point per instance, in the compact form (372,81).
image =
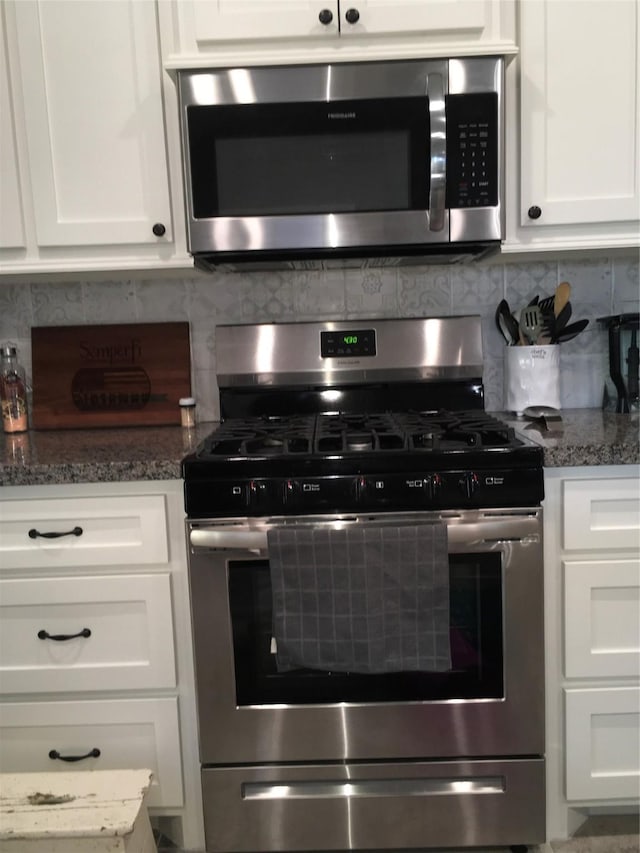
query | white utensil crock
(531,377)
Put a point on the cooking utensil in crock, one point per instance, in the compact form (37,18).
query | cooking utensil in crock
(531,323)
(506,323)
(569,332)
(546,304)
(552,325)
(558,323)
(562,296)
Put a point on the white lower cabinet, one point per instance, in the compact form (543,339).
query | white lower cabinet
(91,531)
(602,618)
(96,671)
(592,577)
(112,632)
(112,735)
(603,743)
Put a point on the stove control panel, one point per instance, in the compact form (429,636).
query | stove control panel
(461,489)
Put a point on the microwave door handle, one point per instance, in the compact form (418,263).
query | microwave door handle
(438,161)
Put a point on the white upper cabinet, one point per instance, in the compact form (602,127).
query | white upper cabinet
(579,112)
(223,20)
(219,20)
(86,89)
(219,32)
(11,215)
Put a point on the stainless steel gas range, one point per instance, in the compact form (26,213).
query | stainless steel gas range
(367,594)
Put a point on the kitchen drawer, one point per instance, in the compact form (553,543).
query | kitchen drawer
(602,730)
(601,514)
(602,618)
(130,734)
(131,640)
(111,530)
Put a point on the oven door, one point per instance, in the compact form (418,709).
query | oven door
(489,704)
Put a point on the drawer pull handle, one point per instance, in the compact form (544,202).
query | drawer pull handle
(45,635)
(33,533)
(95,753)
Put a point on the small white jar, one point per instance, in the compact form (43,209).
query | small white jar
(187,411)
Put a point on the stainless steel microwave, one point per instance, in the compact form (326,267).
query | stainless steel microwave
(364,163)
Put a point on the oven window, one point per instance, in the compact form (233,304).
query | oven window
(476,634)
(291,159)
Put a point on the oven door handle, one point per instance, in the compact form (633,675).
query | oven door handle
(230,538)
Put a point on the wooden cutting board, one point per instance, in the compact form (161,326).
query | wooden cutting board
(109,376)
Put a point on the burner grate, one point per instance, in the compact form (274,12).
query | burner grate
(261,437)
(328,434)
(358,433)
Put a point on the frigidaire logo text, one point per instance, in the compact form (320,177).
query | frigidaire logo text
(341,115)
(116,353)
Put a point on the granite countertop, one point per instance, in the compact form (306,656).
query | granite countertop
(49,457)
(588,437)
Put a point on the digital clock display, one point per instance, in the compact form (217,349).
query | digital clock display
(348,344)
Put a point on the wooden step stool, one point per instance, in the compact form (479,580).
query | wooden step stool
(89,811)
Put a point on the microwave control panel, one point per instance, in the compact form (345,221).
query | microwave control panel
(472,150)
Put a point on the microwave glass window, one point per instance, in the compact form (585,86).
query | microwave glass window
(301,158)
(310,174)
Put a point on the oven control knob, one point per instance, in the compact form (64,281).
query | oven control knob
(436,485)
(256,490)
(469,483)
(262,495)
(291,493)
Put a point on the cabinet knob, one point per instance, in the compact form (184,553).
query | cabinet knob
(534,212)
(326,16)
(159,230)
(352,16)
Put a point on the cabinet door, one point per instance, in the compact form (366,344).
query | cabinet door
(45,533)
(11,214)
(601,514)
(90,79)
(223,20)
(119,630)
(602,743)
(579,112)
(128,733)
(238,20)
(410,16)
(602,618)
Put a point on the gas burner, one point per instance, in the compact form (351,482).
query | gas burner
(359,433)
(457,430)
(260,437)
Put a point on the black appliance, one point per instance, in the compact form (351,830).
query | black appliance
(624,357)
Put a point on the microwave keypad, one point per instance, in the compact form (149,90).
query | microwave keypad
(472,151)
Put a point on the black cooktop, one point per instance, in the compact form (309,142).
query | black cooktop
(385,461)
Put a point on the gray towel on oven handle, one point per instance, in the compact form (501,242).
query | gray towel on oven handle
(366,598)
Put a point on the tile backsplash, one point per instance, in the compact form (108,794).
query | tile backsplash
(600,286)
